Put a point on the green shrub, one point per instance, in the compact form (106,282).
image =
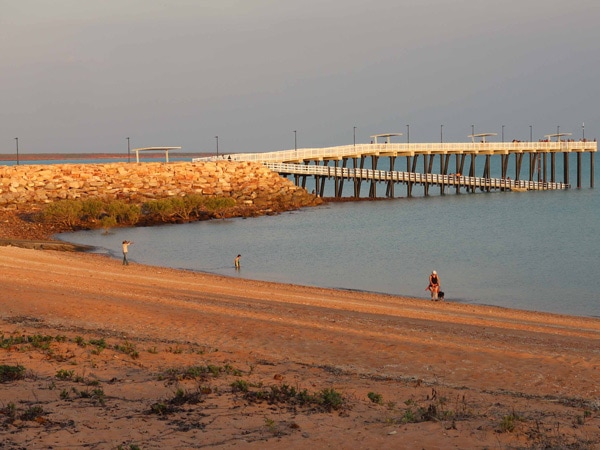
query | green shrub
(124,213)
(128,348)
(161,208)
(239,386)
(63,374)
(100,343)
(160,408)
(64,212)
(11,373)
(7,342)
(201,372)
(108,222)
(507,425)
(409,417)
(375,398)
(32,413)
(10,411)
(218,205)
(92,208)
(330,399)
(187,206)
(39,341)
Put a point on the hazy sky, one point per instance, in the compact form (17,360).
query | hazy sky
(82,75)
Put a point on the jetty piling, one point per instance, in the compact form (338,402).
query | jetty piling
(541,175)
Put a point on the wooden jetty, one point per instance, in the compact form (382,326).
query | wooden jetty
(538,159)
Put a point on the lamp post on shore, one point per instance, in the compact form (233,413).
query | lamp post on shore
(17,140)
(217,138)
(128,151)
(295,142)
(441,133)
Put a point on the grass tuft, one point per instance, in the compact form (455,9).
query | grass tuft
(11,373)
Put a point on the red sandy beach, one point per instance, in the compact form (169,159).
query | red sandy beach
(108,356)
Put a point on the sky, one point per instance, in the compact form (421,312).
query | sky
(80,76)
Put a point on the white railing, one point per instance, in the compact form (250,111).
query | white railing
(412,177)
(358,150)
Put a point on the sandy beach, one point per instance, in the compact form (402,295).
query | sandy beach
(135,356)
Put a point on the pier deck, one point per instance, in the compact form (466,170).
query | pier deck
(305,162)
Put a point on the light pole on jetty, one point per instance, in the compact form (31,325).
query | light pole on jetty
(295,142)
(217,138)
(502,133)
(441,133)
(128,151)
(530,133)
(17,140)
(583,131)
(408,134)
(354,135)
(557,133)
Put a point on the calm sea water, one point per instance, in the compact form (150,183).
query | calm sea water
(534,251)
(91,161)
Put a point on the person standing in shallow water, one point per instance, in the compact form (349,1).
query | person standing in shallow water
(236,261)
(126,245)
(434,285)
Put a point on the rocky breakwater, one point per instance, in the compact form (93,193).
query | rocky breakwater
(248,183)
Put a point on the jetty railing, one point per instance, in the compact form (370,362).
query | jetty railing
(409,149)
(412,177)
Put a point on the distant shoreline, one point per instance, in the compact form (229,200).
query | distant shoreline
(92,156)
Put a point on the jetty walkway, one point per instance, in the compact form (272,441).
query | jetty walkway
(533,165)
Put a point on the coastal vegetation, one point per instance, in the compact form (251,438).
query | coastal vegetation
(195,388)
(108,213)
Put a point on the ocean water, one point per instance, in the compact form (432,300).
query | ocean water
(533,251)
(91,161)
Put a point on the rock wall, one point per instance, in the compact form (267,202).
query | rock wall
(248,183)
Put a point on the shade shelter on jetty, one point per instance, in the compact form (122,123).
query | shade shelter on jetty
(349,164)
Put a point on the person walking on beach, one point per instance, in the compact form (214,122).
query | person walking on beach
(236,261)
(126,245)
(434,285)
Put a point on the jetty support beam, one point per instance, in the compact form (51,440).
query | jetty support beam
(373,188)
(425,169)
(390,187)
(578,170)
(591,169)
